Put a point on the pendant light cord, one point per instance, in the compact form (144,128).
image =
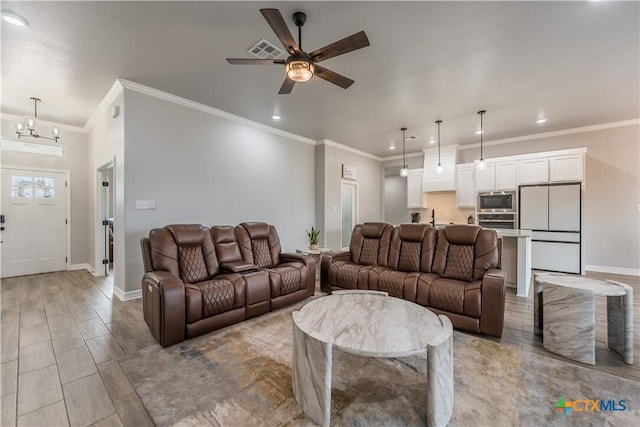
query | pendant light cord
(481,112)
(438,123)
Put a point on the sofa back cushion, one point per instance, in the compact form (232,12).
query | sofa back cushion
(412,247)
(465,252)
(370,243)
(185,250)
(259,244)
(226,243)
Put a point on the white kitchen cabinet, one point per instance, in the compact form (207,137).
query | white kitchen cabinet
(415,197)
(465,186)
(533,171)
(566,168)
(432,180)
(506,176)
(486,177)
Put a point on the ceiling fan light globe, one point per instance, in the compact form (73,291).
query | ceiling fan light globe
(300,70)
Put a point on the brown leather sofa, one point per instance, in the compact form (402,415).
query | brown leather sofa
(198,279)
(453,271)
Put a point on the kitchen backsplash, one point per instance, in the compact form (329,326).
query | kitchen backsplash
(444,204)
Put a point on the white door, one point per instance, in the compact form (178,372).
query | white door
(34,238)
(349,211)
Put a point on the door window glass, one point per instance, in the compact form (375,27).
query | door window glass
(32,186)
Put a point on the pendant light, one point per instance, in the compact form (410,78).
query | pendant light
(31,126)
(439,167)
(481,162)
(404,172)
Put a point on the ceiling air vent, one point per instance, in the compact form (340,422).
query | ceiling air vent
(263,49)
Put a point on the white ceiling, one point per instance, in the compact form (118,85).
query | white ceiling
(576,63)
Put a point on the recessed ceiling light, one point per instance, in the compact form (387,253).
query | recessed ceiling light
(392,147)
(432,141)
(275,117)
(541,120)
(478,132)
(14,19)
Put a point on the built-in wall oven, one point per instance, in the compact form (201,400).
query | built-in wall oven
(501,220)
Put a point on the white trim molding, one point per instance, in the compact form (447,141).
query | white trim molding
(126,296)
(83,266)
(562,132)
(613,270)
(114,91)
(137,87)
(331,143)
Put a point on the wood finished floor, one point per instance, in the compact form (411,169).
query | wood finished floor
(61,334)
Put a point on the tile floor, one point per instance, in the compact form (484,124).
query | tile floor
(61,334)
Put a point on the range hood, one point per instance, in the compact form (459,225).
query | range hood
(432,180)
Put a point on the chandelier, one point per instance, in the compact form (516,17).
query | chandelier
(30,127)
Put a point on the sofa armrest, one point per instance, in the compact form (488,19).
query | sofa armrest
(493,294)
(309,262)
(325,261)
(164,306)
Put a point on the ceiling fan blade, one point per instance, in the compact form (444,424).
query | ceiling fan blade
(333,77)
(251,61)
(287,86)
(349,44)
(277,24)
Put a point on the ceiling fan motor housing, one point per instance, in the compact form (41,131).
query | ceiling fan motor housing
(299,18)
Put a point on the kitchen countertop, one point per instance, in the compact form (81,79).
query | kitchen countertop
(514,233)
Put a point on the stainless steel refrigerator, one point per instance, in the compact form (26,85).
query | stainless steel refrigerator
(553,212)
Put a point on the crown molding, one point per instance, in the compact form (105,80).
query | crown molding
(349,149)
(137,87)
(399,156)
(552,134)
(61,126)
(114,91)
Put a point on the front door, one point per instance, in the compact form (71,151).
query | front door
(34,234)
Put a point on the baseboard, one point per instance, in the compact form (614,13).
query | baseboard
(613,270)
(126,296)
(83,266)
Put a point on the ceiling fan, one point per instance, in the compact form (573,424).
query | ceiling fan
(301,66)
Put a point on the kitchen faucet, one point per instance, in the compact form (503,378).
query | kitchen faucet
(433,217)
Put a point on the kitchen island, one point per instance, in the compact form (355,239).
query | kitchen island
(516,259)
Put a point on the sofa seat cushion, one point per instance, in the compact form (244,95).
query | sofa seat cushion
(215,296)
(456,296)
(287,278)
(423,291)
(398,284)
(344,274)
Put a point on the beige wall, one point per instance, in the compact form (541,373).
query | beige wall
(370,183)
(74,159)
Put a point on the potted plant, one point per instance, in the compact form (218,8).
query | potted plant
(313,235)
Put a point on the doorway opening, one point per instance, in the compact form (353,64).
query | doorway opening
(106,215)
(349,210)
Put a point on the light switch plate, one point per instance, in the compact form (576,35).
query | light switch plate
(142,204)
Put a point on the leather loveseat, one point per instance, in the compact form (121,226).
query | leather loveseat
(453,271)
(198,279)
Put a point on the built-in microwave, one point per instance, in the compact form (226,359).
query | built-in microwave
(497,201)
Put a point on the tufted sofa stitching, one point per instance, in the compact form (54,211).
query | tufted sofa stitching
(217,296)
(192,265)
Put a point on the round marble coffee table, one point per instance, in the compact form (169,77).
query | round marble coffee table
(371,324)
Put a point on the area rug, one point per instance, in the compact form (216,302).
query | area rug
(241,376)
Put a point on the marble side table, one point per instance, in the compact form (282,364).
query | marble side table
(371,324)
(564,314)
